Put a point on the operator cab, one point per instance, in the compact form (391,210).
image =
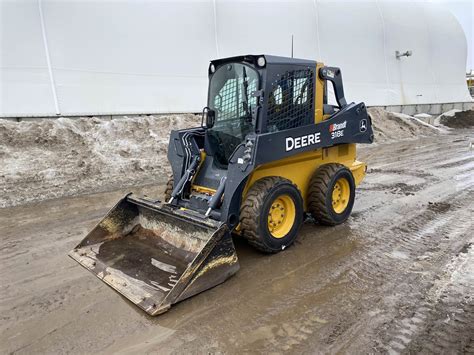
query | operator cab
(257,95)
(239,104)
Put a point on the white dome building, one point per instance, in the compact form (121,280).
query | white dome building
(111,57)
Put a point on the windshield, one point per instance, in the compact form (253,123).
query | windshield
(230,96)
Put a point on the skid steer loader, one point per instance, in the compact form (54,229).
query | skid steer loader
(270,150)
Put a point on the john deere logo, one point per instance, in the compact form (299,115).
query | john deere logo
(303,141)
(330,74)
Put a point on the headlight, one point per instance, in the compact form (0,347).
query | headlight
(261,61)
(213,68)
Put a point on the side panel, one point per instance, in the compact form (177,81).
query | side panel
(350,125)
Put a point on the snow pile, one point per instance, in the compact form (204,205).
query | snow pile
(45,159)
(395,126)
(423,116)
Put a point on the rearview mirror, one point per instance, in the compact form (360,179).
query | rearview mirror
(208,116)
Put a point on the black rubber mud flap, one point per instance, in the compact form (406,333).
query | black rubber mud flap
(155,255)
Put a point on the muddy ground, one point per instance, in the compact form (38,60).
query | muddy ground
(397,277)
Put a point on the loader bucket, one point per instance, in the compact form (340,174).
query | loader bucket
(155,255)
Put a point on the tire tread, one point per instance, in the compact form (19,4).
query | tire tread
(318,190)
(250,210)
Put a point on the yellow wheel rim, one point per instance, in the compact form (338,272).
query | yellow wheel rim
(340,195)
(281,216)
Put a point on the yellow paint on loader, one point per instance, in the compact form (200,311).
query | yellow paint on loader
(299,168)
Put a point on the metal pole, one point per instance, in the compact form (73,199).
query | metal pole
(291,46)
(48,59)
(215,27)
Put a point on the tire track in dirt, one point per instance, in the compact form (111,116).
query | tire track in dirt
(417,241)
(394,267)
(434,253)
(445,319)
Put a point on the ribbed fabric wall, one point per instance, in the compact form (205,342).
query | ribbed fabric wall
(118,57)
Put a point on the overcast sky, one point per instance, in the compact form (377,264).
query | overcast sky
(464,12)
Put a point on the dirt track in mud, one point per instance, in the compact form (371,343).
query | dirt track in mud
(397,277)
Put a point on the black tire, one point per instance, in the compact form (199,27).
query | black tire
(320,200)
(169,188)
(255,210)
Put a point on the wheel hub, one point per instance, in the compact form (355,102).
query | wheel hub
(281,216)
(340,195)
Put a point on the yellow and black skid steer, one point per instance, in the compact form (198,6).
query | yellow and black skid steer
(270,151)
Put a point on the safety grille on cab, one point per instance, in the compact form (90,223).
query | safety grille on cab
(291,102)
(230,101)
